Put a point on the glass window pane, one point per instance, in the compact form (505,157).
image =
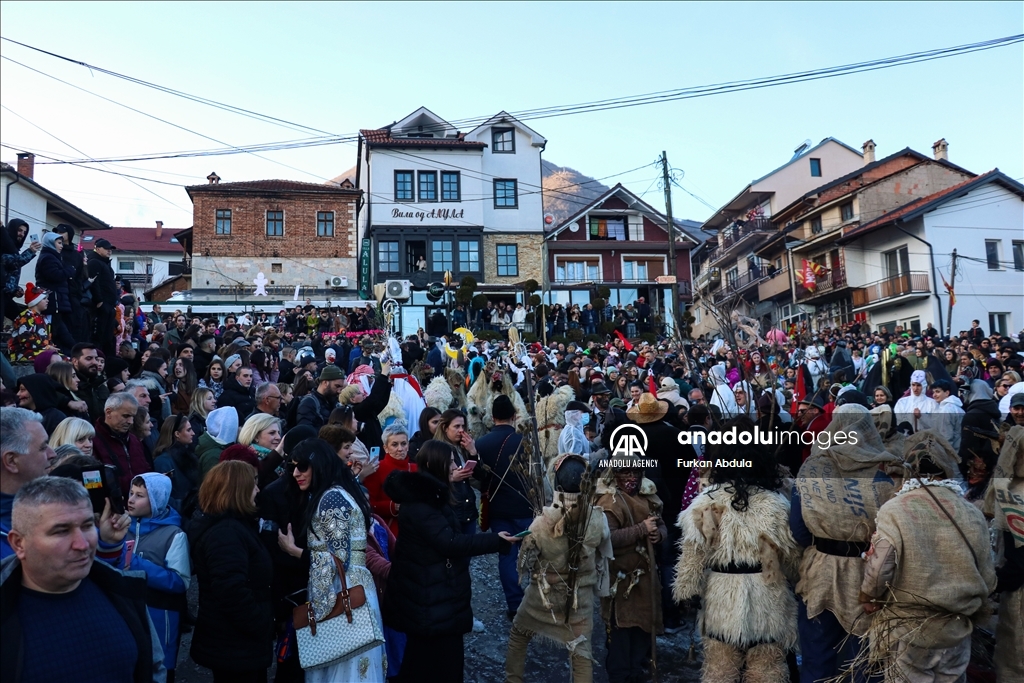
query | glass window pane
(428,186)
(450,186)
(441,255)
(275,223)
(992,254)
(387,257)
(505,193)
(469,255)
(325,224)
(403,186)
(1018,255)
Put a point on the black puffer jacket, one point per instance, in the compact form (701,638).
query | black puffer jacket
(235,627)
(104,289)
(237,397)
(53,275)
(429,589)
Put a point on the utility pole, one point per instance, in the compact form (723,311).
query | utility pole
(671,243)
(952,296)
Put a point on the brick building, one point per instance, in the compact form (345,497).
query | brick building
(294,233)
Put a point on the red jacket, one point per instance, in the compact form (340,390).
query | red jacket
(380,503)
(124,452)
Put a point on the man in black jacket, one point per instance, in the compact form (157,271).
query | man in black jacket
(55,579)
(74,261)
(509,506)
(315,407)
(92,384)
(105,295)
(237,393)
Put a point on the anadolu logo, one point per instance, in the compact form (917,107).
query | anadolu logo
(628,441)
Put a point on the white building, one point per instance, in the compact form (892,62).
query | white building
(438,199)
(22,197)
(899,263)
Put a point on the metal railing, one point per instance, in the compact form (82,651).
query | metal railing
(738,285)
(736,233)
(829,282)
(891,287)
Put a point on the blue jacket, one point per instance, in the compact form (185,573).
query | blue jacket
(6,506)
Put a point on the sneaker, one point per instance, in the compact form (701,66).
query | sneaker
(478,626)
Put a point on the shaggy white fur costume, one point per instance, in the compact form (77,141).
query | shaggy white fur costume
(551,419)
(746,619)
(481,396)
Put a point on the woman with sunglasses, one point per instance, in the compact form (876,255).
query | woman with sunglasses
(336,522)
(174,454)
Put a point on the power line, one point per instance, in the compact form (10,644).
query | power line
(572,109)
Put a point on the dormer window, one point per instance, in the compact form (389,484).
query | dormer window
(503,140)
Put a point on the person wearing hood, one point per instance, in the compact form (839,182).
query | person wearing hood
(221,432)
(814,367)
(744,396)
(929,611)
(669,391)
(721,394)
(572,438)
(12,259)
(157,546)
(950,414)
(53,274)
(981,416)
(837,494)
(38,392)
(917,404)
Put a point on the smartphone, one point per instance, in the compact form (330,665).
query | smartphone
(92,480)
(470,464)
(523,534)
(33,238)
(375,453)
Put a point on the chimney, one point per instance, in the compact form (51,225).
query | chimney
(159,229)
(940,150)
(869,152)
(26,164)
(213,178)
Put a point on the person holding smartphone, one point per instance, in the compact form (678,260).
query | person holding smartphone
(452,431)
(12,239)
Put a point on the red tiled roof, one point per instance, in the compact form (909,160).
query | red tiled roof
(135,240)
(382,137)
(269,186)
(911,207)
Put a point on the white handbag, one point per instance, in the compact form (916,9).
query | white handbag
(334,639)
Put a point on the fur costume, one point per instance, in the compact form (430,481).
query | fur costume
(392,411)
(457,381)
(438,394)
(551,419)
(629,601)
(481,396)
(544,558)
(748,617)
(841,489)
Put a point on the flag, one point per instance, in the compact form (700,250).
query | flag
(625,342)
(949,288)
(799,390)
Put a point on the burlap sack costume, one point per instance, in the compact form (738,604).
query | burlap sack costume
(1004,501)
(544,558)
(922,631)
(894,441)
(841,489)
(748,618)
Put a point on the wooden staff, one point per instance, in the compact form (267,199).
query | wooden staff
(655,597)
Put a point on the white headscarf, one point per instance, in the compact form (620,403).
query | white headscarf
(572,439)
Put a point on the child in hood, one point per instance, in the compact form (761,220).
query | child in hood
(157,546)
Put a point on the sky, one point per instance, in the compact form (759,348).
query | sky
(342,67)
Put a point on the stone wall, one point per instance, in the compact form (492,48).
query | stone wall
(214,272)
(531,260)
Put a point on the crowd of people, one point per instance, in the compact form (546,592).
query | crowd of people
(312,474)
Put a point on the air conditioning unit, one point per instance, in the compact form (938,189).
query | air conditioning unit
(398,289)
(339,282)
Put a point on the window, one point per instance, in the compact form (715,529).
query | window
(634,270)
(816,227)
(1018,255)
(450,186)
(897,262)
(815,168)
(325,224)
(428,186)
(469,255)
(992,249)
(126,266)
(846,211)
(608,229)
(275,268)
(508,260)
(576,271)
(998,323)
(732,275)
(503,140)
(441,255)
(387,257)
(149,269)
(403,186)
(223,221)
(505,194)
(275,223)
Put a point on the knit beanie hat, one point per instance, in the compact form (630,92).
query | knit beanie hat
(34,295)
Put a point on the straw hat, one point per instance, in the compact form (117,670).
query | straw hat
(648,409)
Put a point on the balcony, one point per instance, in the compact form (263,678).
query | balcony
(773,285)
(911,285)
(751,232)
(738,286)
(829,283)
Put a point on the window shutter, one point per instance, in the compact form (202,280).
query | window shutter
(636,228)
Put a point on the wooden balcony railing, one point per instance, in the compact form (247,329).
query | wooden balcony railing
(891,287)
(829,282)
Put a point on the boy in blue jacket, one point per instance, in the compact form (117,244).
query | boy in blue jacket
(157,546)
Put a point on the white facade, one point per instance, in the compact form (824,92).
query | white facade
(991,293)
